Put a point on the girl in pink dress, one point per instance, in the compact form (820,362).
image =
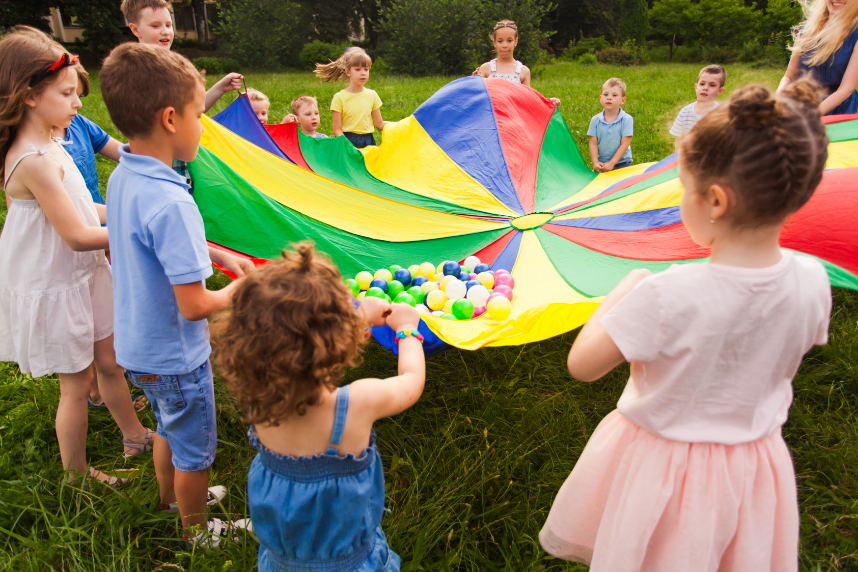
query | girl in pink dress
(690,472)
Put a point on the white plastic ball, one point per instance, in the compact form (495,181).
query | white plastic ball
(478,295)
(455,289)
(471,262)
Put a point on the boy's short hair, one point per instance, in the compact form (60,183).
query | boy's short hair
(131,8)
(139,80)
(616,82)
(256,95)
(714,69)
(83,78)
(301,101)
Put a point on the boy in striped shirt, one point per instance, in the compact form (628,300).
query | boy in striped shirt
(710,84)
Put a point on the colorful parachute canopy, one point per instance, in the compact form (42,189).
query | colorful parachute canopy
(484,167)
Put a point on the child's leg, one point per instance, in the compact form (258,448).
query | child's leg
(165,472)
(191,494)
(72,419)
(114,391)
(94,394)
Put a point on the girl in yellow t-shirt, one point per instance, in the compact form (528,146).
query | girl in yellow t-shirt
(356,109)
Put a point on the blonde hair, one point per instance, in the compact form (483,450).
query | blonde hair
(503,24)
(616,82)
(256,95)
(333,71)
(301,101)
(815,39)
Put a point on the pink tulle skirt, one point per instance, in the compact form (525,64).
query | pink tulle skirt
(636,501)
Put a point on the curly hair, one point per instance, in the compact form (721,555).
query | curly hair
(770,148)
(291,331)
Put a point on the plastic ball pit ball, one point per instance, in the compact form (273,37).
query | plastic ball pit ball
(395,288)
(379,283)
(471,283)
(422,309)
(386,297)
(435,299)
(403,276)
(448,307)
(487,279)
(504,290)
(504,280)
(361,296)
(464,269)
(353,286)
(429,286)
(464,276)
(363,279)
(478,295)
(446,280)
(375,292)
(500,271)
(479,268)
(448,316)
(438,313)
(384,274)
(451,268)
(472,262)
(499,308)
(393,268)
(427,269)
(455,289)
(479,311)
(463,309)
(417,292)
(438,277)
(419,280)
(405,298)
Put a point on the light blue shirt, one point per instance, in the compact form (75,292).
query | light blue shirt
(157,239)
(610,135)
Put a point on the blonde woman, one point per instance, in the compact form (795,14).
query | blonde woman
(825,51)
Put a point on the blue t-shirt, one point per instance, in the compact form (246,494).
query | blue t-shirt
(87,139)
(610,135)
(157,239)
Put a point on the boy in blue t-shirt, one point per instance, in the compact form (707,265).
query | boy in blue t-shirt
(160,263)
(611,131)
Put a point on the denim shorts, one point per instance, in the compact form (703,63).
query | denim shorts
(360,140)
(185,411)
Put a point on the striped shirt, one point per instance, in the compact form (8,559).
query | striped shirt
(686,119)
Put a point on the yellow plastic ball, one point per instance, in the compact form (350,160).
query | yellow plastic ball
(363,279)
(499,308)
(427,269)
(487,279)
(435,300)
(384,274)
(414,269)
(361,296)
(429,286)
(446,280)
(448,307)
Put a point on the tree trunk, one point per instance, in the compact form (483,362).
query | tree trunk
(672,45)
(200,22)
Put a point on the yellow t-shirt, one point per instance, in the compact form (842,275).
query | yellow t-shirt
(357,110)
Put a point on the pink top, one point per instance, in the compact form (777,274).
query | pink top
(714,348)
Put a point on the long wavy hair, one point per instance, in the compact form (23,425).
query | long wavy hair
(334,71)
(820,35)
(23,54)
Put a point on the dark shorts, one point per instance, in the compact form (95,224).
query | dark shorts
(360,140)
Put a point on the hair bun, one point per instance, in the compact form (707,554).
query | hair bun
(804,91)
(305,252)
(753,107)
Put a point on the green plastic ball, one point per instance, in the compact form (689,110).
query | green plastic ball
(405,298)
(463,309)
(353,286)
(395,288)
(418,294)
(389,301)
(465,269)
(394,268)
(447,316)
(376,292)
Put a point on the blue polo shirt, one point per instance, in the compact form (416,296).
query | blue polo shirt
(157,239)
(86,139)
(610,135)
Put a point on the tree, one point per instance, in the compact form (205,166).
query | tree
(265,33)
(27,13)
(572,20)
(726,23)
(101,21)
(673,20)
(781,16)
(634,23)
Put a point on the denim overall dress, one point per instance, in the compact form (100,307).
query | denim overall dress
(830,74)
(320,513)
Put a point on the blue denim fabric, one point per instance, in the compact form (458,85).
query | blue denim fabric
(830,74)
(360,140)
(185,411)
(320,513)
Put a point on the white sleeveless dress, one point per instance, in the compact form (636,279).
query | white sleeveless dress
(55,303)
(514,77)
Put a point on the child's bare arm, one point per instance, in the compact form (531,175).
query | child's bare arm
(229,82)
(235,264)
(102,213)
(337,122)
(197,303)
(525,76)
(111,149)
(42,177)
(624,144)
(378,121)
(594,353)
(594,154)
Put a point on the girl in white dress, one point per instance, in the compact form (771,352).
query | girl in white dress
(56,289)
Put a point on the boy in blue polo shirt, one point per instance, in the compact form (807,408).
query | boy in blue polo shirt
(611,131)
(160,263)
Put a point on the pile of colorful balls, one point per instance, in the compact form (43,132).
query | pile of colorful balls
(450,290)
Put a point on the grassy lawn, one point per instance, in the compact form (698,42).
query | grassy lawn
(472,469)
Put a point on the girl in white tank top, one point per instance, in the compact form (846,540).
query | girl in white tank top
(56,289)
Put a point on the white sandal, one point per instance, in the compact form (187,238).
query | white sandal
(144,446)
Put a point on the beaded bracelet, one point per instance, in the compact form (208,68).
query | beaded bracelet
(405,333)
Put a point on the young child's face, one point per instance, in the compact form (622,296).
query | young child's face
(58,103)
(358,74)
(308,117)
(154,27)
(708,87)
(260,108)
(612,97)
(188,128)
(505,41)
(693,209)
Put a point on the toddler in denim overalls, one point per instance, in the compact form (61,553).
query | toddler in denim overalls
(316,487)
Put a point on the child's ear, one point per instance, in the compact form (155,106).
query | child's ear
(134,30)
(167,119)
(720,200)
(720,91)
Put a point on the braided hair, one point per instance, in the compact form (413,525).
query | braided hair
(769,148)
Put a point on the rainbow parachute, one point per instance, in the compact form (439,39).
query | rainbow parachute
(484,167)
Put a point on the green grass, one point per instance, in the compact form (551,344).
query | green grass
(472,469)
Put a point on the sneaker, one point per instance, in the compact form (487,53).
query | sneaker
(216,494)
(244,523)
(217,533)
